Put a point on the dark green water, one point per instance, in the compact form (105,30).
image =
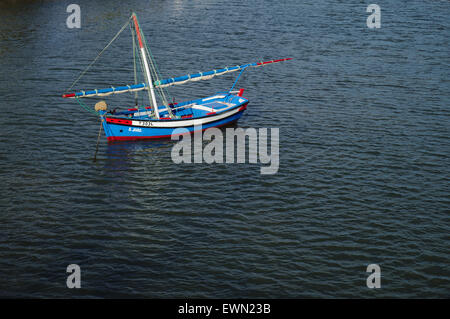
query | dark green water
(364,154)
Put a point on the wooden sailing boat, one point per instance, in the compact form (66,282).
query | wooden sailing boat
(160,120)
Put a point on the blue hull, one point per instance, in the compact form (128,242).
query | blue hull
(117,132)
(122,128)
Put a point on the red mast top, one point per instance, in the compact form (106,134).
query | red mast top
(138,31)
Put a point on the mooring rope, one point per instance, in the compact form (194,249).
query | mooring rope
(98,138)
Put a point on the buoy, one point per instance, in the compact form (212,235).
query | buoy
(101,106)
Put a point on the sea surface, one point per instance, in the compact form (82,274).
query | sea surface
(364,174)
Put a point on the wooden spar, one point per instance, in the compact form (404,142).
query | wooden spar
(273,61)
(210,74)
(152,96)
(167,82)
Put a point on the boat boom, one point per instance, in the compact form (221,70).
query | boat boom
(169,82)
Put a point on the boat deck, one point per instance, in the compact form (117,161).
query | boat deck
(215,104)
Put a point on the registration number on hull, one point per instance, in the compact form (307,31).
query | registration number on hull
(144,123)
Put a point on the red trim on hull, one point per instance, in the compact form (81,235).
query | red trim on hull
(134,138)
(118,121)
(243,107)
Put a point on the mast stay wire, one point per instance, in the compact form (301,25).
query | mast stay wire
(96,58)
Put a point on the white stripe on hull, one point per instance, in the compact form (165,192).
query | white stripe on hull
(183,123)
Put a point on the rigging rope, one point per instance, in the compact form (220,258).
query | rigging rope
(87,108)
(162,92)
(134,64)
(101,52)
(156,75)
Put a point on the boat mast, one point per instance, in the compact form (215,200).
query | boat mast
(148,76)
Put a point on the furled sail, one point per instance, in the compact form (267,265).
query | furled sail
(168,82)
(108,91)
(210,74)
